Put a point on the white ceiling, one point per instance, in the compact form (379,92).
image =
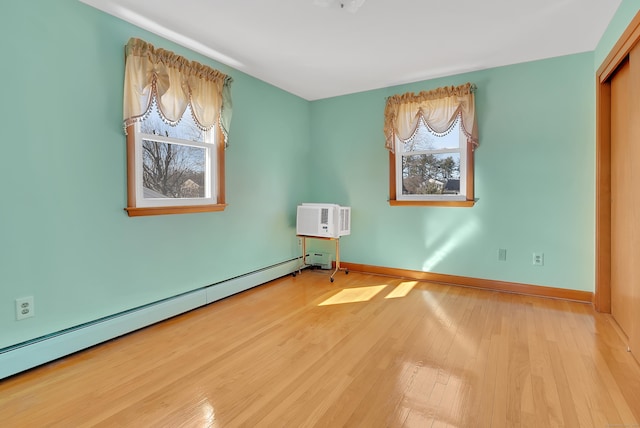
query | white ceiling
(319,52)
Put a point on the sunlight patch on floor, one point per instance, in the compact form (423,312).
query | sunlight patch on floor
(401,290)
(353,295)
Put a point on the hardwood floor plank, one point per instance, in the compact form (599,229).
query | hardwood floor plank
(545,394)
(364,351)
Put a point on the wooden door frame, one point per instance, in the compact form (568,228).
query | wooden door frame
(620,51)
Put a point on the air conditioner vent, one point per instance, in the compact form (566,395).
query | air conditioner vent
(344,220)
(324,216)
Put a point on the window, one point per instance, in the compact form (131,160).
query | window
(431,137)
(176,116)
(430,164)
(174,163)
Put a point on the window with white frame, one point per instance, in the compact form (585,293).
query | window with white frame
(432,166)
(175,165)
(176,117)
(431,138)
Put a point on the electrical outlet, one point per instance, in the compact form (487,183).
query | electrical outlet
(502,254)
(538,259)
(24,308)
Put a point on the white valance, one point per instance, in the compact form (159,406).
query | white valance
(439,109)
(172,82)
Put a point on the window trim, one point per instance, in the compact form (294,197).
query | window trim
(218,169)
(469,202)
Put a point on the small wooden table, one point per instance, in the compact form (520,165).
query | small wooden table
(304,253)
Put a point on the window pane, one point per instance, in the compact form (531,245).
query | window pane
(424,139)
(430,174)
(185,129)
(173,170)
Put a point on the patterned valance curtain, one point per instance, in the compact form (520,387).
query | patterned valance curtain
(172,82)
(439,110)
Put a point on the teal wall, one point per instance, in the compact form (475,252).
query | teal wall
(64,236)
(534,179)
(623,16)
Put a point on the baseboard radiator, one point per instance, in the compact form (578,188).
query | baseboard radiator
(24,356)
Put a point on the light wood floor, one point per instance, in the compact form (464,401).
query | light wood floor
(365,351)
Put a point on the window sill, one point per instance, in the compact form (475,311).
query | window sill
(145,211)
(465,204)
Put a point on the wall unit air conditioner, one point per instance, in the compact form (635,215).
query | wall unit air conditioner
(323,220)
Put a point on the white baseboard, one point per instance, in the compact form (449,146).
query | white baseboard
(24,356)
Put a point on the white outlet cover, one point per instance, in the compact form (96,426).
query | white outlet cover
(24,308)
(538,259)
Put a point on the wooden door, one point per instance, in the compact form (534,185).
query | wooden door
(625,198)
